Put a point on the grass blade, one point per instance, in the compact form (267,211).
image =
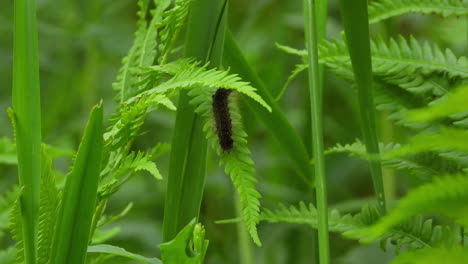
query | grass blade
(355,21)
(204,42)
(27,117)
(79,196)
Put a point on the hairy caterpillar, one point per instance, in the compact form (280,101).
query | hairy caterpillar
(222,118)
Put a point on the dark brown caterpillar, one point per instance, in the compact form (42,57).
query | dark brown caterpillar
(223,118)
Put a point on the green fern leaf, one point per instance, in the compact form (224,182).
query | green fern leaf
(195,75)
(173,22)
(425,164)
(125,77)
(451,104)
(415,233)
(446,195)
(237,161)
(16,228)
(383,9)
(133,162)
(6,203)
(48,211)
(130,117)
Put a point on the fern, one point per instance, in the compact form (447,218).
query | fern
(6,203)
(383,9)
(16,228)
(134,162)
(446,195)
(126,123)
(172,24)
(237,161)
(48,212)
(195,75)
(125,77)
(415,233)
(425,164)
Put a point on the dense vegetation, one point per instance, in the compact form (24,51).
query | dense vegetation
(234,131)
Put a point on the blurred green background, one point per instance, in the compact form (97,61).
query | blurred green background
(81,46)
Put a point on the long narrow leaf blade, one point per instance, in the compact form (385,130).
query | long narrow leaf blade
(79,196)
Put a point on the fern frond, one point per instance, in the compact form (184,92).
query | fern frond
(446,196)
(172,23)
(48,212)
(453,103)
(425,164)
(194,75)
(149,42)
(128,166)
(6,202)
(415,233)
(237,161)
(454,254)
(16,228)
(383,9)
(125,78)
(130,117)
(399,55)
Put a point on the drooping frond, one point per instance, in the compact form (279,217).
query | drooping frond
(195,75)
(133,162)
(383,9)
(446,196)
(415,233)
(237,161)
(454,254)
(172,23)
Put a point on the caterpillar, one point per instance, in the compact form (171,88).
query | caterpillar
(222,118)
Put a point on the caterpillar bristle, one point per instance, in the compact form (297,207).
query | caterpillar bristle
(222,118)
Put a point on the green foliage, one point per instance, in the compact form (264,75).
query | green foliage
(16,228)
(383,9)
(132,163)
(7,200)
(455,254)
(7,256)
(48,211)
(412,234)
(117,251)
(188,247)
(7,151)
(445,195)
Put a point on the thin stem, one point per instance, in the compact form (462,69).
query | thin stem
(317,128)
(245,244)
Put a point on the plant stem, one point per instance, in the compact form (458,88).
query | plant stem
(204,42)
(244,242)
(317,128)
(27,118)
